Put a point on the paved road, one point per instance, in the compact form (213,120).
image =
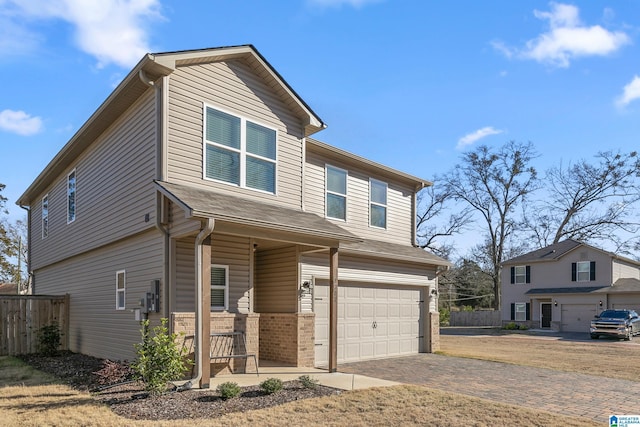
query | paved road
(537,388)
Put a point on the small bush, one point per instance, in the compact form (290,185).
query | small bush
(49,337)
(307,381)
(511,326)
(160,360)
(229,390)
(445,316)
(113,372)
(523,327)
(271,385)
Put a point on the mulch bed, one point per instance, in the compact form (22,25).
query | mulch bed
(130,400)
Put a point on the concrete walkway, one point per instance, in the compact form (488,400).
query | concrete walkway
(339,380)
(544,389)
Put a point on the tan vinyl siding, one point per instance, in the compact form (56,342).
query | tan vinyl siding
(225,250)
(366,270)
(399,201)
(179,224)
(96,327)
(233,87)
(276,281)
(114,190)
(622,269)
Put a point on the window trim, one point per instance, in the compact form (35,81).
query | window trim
(123,290)
(225,288)
(524,311)
(385,205)
(242,151)
(587,272)
(73,192)
(327,191)
(45,216)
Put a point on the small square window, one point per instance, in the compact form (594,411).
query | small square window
(520,311)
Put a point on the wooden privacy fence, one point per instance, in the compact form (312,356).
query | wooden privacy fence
(475,318)
(21,316)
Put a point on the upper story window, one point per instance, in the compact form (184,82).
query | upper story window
(521,274)
(120,290)
(45,216)
(219,287)
(583,271)
(377,203)
(71,197)
(239,152)
(336,188)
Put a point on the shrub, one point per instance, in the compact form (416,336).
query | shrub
(159,358)
(229,390)
(113,372)
(511,326)
(49,339)
(445,316)
(307,381)
(271,385)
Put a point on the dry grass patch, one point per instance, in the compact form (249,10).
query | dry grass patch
(614,359)
(51,404)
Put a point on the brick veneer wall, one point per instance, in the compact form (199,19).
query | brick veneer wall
(434,332)
(184,324)
(288,338)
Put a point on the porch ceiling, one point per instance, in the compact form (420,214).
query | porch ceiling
(262,219)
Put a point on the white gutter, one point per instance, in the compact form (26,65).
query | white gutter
(204,233)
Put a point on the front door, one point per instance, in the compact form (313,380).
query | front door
(545,318)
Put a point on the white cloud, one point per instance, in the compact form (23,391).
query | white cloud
(472,137)
(630,93)
(567,38)
(113,31)
(20,122)
(338,3)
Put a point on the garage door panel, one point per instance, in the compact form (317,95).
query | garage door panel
(394,309)
(576,317)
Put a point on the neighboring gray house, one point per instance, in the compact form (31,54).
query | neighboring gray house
(564,285)
(196,180)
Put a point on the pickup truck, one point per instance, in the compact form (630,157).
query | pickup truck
(615,323)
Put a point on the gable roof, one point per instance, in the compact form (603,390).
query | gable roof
(203,203)
(152,67)
(557,250)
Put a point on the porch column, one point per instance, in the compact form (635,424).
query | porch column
(206,313)
(333,309)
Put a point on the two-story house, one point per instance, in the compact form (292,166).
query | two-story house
(195,192)
(564,285)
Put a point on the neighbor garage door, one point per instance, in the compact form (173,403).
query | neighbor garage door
(374,321)
(576,317)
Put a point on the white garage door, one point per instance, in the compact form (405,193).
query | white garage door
(374,321)
(576,317)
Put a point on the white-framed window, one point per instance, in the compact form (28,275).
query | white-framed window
(239,151)
(71,197)
(520,274)
(121,289)
(336,192)
(219,287)
(377,203)
(45,216)
(583,271)
(520,311)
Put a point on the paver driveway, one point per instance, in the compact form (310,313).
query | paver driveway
(545,389)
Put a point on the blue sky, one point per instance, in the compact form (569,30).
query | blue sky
(411,84)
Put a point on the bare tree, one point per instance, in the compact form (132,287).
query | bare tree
(493,183)
(433,206)
(6,248)
(590,202)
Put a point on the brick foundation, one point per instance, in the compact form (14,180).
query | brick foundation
(434,333)
(288,338)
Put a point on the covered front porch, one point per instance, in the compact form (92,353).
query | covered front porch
(235,268)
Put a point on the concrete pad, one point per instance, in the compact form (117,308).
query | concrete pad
(339,380)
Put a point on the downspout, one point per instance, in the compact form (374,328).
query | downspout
(204,233)
(161,115)
(31,282)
